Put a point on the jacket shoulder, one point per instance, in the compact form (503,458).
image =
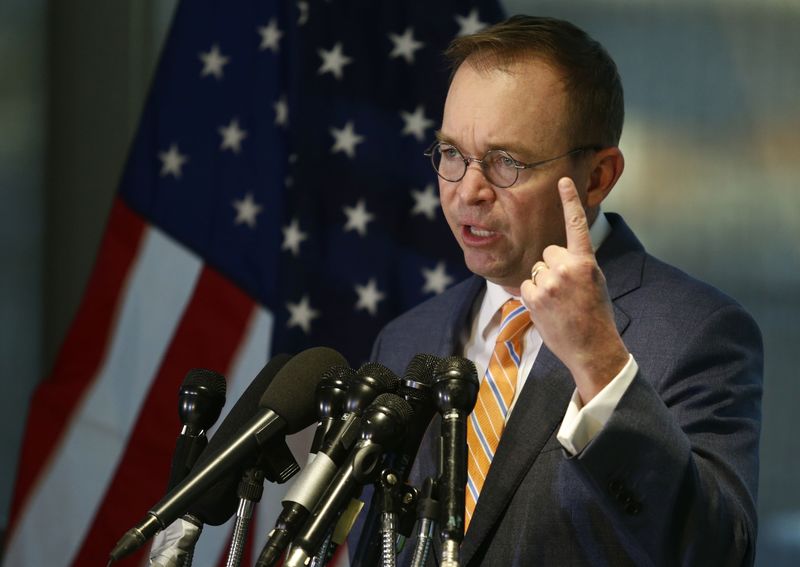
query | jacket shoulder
(430,327)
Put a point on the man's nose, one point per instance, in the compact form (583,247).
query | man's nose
(474,188)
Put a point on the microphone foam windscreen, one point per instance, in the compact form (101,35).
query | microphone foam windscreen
(291,394)
(219,502)
(200,377)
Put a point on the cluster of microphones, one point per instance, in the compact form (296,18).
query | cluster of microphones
(370,424)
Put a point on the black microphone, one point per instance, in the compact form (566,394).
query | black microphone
(286,407)
(368,382)
(415,388)
(455,388)
(384,423)
(200,400)
(331,396)
(216,505)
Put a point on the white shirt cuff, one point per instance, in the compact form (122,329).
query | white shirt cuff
(582,423)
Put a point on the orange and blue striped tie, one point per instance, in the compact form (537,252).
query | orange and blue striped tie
(486,423)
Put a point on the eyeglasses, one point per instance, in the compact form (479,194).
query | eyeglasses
(498,166)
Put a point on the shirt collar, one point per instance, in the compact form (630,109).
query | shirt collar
(496,296)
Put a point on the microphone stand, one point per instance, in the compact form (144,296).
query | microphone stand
(250,489)
(427,514)
(276,464)
(397,505)
(387,489)
(338,533)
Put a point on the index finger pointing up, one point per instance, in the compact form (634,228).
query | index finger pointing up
(577,226)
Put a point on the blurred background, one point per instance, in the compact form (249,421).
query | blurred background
(712,146)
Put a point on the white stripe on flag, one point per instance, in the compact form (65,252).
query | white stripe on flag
(52,527)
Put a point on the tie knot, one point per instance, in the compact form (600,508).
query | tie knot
(515,319)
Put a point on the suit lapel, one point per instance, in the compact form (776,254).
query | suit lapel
(458,318)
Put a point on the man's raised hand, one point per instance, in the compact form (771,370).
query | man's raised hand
(569,303)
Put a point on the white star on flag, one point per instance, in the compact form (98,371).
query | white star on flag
(405,45)
(292,237)
(426,202)
(415,123)
(172,161)
(246,210)
(213,62)
(436,280)
(357,218)
(270,36)
(232,137)
(303,17)
(368,297)
(301,314)
(470,24)
(345,140)
(281,108)
(333,61)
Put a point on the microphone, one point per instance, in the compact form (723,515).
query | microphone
(455,389)
(200,400)
(283,409)
(384,423)
(331,397)
(362,388)
(216,505)
(415,388)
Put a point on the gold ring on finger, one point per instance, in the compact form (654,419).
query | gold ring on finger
(535,271)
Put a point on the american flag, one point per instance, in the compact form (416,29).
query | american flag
(275,198)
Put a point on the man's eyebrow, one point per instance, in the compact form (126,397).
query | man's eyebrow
(442,137)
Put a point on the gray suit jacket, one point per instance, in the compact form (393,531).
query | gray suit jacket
(670,480)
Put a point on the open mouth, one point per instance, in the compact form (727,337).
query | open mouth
(474,235)
(481,232)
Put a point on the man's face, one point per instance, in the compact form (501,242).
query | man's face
(522,109)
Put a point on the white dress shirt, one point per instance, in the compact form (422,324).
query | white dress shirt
(581,423)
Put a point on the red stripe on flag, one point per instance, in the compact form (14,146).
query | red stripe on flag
(81,355)
(208,336)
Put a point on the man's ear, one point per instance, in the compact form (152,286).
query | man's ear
(607,165)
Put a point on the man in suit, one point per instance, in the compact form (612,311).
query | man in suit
(620,425)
